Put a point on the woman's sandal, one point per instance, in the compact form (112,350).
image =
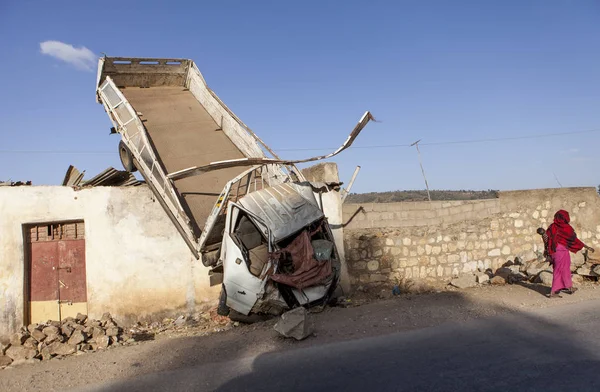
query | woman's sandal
(554,295)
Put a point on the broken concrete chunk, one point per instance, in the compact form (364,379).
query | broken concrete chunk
(97,332)
(577,279)
(102,341)
(294,324)
(106,317)
(498,281)
(30,343)
(54,338)
(32,327)
(77,337)
(67,330)
(38,335)
(5,361)
(51,330)
(19,353)
(464,282)
(57,348)
(112,331)
(45,353)
(17,339)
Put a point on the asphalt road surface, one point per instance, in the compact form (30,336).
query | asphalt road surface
(552,349)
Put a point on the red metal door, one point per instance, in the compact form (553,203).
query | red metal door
(57,276)
(43,282)
(71,278)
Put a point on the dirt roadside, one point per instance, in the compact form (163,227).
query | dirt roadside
(402,313)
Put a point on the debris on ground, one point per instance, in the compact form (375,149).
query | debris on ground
(464,281)
(537,270)
(79,335)
(73,335)
(294,324)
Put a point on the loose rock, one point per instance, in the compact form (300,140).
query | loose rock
(545,278)
(19,353)
(482,278)
(498,280)
(38,335)
(5,361)
(57,348)
(18,339)
(294,324)
(464,282)
(51,330)
(77,337)
(102,341)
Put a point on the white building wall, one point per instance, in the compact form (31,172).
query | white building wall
(138,267)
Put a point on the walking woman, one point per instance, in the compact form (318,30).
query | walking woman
(559,240)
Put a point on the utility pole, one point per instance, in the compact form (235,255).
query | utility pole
(416,144)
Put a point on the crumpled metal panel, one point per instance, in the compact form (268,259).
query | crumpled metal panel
(285,208)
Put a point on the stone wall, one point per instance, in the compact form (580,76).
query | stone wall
(440,240)
(137,264)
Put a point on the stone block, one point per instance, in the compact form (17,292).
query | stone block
(482,278)
(373,265)
(494,253)
(294,324)
(58,348)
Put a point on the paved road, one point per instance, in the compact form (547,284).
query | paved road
(555,349)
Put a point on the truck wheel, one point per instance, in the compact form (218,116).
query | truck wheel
(126,158)
(223,309)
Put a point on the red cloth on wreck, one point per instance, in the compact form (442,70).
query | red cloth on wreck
(307,271)
(561,233)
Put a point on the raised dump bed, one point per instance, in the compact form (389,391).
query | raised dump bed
(170,120)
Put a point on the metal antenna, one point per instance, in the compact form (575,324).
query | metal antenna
(416,144)
(556,178)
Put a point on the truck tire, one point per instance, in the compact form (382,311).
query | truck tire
(126,158)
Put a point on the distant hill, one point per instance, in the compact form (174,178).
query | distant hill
(396,196)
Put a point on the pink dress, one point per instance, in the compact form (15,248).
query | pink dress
(561,277)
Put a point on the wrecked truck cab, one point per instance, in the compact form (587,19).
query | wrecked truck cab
(277,252)
(190,148)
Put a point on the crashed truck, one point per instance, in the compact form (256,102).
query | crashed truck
(251,217)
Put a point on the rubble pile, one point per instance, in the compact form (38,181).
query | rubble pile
(533,271)
(38,342)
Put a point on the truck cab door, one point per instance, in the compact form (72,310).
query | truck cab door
(245,254)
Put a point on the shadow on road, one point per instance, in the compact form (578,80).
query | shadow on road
(512,350)
(538,288)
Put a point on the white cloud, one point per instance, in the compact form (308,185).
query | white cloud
(570,151)
(81,58)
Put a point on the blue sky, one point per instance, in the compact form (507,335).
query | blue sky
(301,74)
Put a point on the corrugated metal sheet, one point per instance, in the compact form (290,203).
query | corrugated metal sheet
(285,208)
(113,177)
(73,177)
